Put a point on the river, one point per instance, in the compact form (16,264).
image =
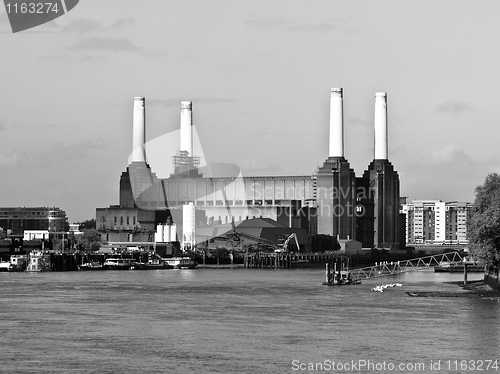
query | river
(240,321)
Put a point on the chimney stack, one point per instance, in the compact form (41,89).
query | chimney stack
(186,127)
(139,130)
(336,123)
(381,142)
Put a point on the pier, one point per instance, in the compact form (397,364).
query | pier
(287,260)
(385,268)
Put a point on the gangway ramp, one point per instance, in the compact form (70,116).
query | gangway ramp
(384,269)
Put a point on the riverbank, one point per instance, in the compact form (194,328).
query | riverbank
(477,287)
(474,289)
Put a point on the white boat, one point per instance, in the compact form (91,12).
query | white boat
(39,261)
(119,263)
(181,262)
(94,265)
(6,266)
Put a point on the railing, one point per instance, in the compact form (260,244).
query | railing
(383,269)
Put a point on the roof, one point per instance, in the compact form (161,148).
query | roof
(260,223)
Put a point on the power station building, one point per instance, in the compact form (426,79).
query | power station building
(195,197)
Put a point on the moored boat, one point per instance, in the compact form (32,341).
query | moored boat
(91,266)
(181,262)
(7,266)
(119,263)
(39,261)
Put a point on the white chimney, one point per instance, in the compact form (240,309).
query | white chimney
(139,130)
(186,127)
(381,143)
(336,124)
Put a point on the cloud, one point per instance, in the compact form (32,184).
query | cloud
(9,158)
(82,26)
(274,23)
(452,154)
(123,23)
(156,54)
(450,173)
(87,25)
(268,22)
(104,43)
(60,155)
(456,108)
(2,125)
(319,27)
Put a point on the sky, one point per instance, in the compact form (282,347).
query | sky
(259,74)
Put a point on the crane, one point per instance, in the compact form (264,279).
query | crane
(284,247)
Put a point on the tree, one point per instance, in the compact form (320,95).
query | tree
(484,227)
(87,225)
(88,241)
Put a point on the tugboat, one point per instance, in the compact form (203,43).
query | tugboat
(155,262)
(119,263)
(39,261)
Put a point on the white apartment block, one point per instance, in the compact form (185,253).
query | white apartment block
(436,222)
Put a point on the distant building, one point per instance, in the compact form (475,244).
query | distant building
(437,222)
(39,218)
(36,235)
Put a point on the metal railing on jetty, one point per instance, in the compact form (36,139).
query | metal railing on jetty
(385,268)
(286,260)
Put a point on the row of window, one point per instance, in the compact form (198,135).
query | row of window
(232,202)
(127,220)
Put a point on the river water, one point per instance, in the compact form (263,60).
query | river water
(240,321)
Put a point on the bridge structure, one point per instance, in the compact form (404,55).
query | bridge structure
(383,269)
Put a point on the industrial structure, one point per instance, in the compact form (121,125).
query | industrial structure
(197,197)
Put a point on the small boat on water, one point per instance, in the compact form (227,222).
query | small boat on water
(94,265)
(7,266)
(119,263)
(181,262)
(40,261)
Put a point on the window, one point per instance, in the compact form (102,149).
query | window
(121,220)
(133,220)
(115,220)
(128,222)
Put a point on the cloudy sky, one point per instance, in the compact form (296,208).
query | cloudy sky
(259,74)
